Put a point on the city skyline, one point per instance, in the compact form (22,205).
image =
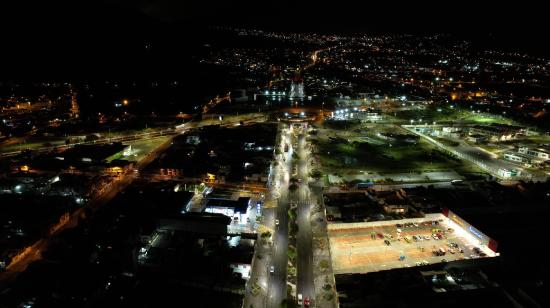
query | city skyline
(274,155)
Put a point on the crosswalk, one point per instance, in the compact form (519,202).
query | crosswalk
(304,203)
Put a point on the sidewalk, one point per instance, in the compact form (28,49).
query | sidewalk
(257,286)
(325,286)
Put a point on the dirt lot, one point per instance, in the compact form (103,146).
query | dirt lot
(364,249)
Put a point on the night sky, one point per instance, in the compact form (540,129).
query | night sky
(38,36)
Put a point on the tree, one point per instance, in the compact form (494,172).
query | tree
(316,174)
(293,187)
(291,252)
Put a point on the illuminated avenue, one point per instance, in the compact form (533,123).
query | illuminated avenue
(227,165)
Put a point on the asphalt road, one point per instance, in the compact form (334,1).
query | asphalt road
(304,244)
(279,258)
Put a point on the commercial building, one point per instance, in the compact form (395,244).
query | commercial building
(518,157)
(497,132)
(237,210)
(542,153)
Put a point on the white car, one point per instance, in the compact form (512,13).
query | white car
(276,222)
(300,299)
(272,269)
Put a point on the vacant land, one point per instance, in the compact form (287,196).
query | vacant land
(381,149)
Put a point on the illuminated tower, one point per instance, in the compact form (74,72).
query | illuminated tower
(297,86)
(75,110)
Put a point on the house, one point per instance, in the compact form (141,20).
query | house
(394,202)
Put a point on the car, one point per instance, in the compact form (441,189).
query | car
(272,269)
(307,302)
(379,235)
(387,242)
(276,222)
(300,300)
(440,252)
(456,182)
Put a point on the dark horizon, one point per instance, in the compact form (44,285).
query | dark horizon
(54,27)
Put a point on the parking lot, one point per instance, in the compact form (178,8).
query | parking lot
(377,246)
